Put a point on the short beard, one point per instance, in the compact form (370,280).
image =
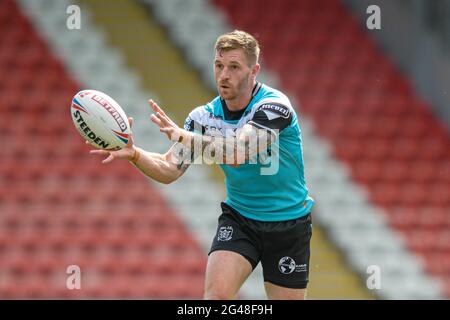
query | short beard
(240,88)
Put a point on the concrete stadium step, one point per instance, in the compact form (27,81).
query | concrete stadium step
(330,276)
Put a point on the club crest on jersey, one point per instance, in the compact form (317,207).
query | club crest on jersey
(225,233)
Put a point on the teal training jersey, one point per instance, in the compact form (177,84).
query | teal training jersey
(273,188)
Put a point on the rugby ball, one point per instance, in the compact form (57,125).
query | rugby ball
(100,120)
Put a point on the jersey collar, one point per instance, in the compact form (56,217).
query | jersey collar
(236,115)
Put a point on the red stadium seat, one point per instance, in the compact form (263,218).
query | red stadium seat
(385,194)
(367,172)
(412,194)
(403,150)
(376,150)
(395,172)
(404,218)
(438,264)
(431,218)
(422,241)
(439,195)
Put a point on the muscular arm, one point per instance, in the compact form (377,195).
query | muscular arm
(234,150)
(164,168)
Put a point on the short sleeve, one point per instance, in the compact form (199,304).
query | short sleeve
(272,116)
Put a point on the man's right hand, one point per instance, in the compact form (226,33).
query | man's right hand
(127,153)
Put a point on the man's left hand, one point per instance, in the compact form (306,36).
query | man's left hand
(166,125)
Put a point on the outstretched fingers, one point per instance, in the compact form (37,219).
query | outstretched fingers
(155,119)
(160,120)
(164,119)
(155,107)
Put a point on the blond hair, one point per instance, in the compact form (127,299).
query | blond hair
(238,39)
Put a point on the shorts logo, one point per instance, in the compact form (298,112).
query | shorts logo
(286,265)
(225,233)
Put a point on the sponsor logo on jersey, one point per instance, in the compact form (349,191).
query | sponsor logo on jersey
(277,109)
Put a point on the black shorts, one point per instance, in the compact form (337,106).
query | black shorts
(282,247)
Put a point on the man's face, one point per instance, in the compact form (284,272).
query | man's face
(232,73)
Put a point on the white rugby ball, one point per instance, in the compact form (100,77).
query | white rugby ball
(100,120)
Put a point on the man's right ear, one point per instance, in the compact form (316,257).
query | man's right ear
(255,69)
